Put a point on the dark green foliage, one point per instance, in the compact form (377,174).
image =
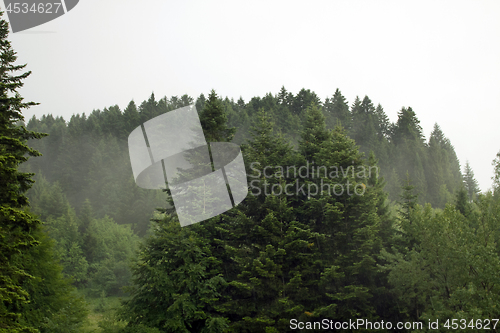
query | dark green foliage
(183,282)
(408,199)
(275,256)
(17,224)
(462,203)
(213,119)
(314,133)
(33,294)
(337,111)
(308,255)
(407,127)
(304,99)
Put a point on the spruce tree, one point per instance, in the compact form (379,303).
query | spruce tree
(408,199)
(314,133)
(131,119)
(470,183)
(365,125)
(410,147)
(200,103)
(17,224)
(496,173)
(303,100)
(350,224)
(436,168)
(184,265)
(213,119)
(462,203)
(337,111)
(273,272)
(442,170)
(183,281)
(149,109)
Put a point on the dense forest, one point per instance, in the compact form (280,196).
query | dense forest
(419,243)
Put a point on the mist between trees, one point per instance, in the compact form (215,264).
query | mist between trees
(422,242)
(311,255)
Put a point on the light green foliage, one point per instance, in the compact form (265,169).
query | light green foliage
(64,230)
(54,306)
(110,247)
(451,272)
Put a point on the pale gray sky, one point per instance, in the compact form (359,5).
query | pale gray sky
(442,58)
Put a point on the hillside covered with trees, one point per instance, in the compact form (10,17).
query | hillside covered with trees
(88,155)
(416,241)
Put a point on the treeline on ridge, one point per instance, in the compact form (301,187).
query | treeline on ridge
(276,257)
(88,155)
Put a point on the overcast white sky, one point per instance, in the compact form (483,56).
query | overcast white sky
(442,58)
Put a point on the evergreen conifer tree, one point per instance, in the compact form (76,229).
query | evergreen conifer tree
(496,173)
(471,184)
(17,224)
(213,120)
(337,111)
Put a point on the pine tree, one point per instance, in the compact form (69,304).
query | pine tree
(408,199)
(496,173)
(184,265)
(365,125)
(17,224)
(200,103)
(314,133)
(407,127)
(183,280)
(149,109)
(442,170)
(470,183)
(304,99)
(384,128)
(350,224)
(270,249)
(462,203)
(214,120)
(290,122)
(437,166)
(410,147)
(132,119)
(337,111)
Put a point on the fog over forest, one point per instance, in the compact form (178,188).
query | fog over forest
(294,168)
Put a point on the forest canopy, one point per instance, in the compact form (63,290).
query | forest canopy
(275,257)
(351,221)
